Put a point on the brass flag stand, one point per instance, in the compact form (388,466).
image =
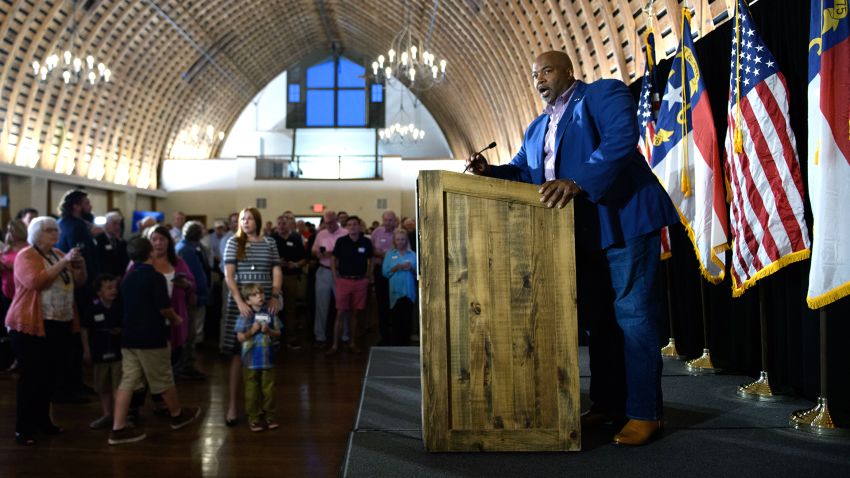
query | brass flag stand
(817,420)
(703,365)
(669,351)
(760,389)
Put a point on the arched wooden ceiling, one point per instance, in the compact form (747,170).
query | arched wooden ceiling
(178,63)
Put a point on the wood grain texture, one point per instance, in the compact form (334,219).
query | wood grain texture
(499,340)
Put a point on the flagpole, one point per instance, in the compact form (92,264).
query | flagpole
(703,365)
(669,350)
(761,390)
(818,420)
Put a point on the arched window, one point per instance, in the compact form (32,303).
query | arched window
(333,93)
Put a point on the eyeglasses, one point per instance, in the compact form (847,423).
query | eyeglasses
(51,229)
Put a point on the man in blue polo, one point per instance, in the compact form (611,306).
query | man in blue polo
(583,149)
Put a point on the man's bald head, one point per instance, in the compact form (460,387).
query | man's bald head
(552,73)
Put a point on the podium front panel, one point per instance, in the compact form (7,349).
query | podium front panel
(498,317)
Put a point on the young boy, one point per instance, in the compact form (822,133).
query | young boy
(101,336)
(144,344)
(258,335)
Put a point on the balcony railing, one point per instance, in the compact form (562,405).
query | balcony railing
(319,167)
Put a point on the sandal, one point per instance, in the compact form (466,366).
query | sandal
(256,427)
(272,425)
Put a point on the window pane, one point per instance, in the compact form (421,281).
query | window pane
(320,108)
(351,108)
(294,95)
(351,75)
(377,93)
(321,75)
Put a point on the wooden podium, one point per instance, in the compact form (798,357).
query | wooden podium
(498,317)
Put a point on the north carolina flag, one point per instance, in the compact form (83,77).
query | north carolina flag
(686,159)
(829,151)
(647,111)
(768,227)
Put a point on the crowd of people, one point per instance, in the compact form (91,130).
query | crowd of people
(135,306)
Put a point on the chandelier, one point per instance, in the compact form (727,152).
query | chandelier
(68,63)
(402,129)
(196,142)
(409,60)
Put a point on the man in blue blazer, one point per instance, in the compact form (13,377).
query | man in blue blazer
(583,149)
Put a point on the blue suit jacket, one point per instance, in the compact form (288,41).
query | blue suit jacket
(596,146)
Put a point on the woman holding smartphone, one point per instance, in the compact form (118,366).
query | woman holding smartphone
(248,258)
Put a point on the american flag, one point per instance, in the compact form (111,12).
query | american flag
(829,151)
(647,111)
(768,228)
(686,157)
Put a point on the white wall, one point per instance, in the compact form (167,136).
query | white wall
(261,129)
(216,188)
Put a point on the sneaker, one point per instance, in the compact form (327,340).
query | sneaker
(187,415)
(256,427)
(271,424)
(126,435)
(101,423)
(293,346)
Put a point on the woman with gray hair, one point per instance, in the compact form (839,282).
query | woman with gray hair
(41,321)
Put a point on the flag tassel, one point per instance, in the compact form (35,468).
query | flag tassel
(739,140)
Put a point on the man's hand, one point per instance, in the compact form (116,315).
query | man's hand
(477,164)
(558,192)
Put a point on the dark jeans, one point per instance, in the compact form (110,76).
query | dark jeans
(619,305)
(39,360)
(402,313)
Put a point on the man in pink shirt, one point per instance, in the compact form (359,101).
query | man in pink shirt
(382,241)
(323,249)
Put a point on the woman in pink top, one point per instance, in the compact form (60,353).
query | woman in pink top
(16,239)
(40,320)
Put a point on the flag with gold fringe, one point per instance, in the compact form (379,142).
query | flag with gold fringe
(829,151)
(686,159)
(766,214)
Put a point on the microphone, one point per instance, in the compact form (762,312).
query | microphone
(489,146)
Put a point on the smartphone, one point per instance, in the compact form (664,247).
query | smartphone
(80,246)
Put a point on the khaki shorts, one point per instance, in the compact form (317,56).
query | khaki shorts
(151,365)
(107,376)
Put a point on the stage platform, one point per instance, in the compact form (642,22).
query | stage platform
(708,432)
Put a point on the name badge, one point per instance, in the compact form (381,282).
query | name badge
(108,356)
(383,239)
(108,247)
(99,318)
(394,257)
(289,244)
(262,319)
(361,250)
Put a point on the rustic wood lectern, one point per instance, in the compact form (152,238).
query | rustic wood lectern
(498,317)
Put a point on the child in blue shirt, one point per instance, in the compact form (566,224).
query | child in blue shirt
(258,335)
(101,337)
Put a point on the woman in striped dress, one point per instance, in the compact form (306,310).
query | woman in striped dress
(249,258)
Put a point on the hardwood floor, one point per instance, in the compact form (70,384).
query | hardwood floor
(316,397)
